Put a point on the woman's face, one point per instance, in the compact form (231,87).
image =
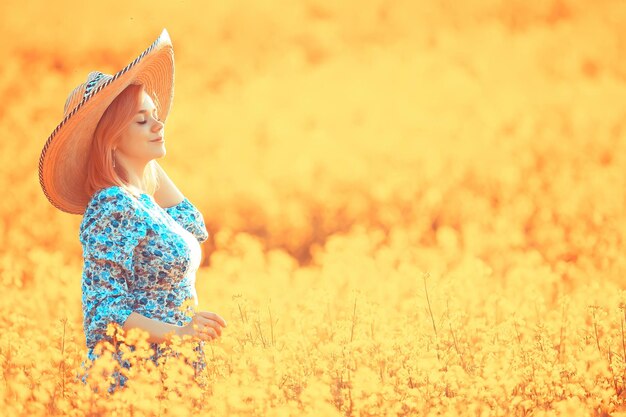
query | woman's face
(142,140)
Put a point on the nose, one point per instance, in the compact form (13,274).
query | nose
(157,125)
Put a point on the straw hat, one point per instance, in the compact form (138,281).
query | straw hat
(63,161)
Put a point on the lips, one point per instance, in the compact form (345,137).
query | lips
(157,140)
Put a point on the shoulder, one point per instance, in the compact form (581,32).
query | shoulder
(110,204)
(109,198)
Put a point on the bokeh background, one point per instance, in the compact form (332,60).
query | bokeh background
(413,206)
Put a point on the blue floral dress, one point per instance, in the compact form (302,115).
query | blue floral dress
(138,257)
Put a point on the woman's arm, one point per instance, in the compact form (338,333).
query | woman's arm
(179,207)
(158,331)
(205,325)
(167,195)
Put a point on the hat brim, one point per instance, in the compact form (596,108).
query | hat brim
(63,161)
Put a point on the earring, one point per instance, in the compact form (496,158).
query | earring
(113,158)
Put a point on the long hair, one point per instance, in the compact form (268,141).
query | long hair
(100,170)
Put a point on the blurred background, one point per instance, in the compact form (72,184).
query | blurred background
(487,128)
(488,121)
(343,145)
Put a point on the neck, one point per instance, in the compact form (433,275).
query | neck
(133,171)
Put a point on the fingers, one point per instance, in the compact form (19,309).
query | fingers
(199,330)
(213,316)
(210,333)
(208,325)
(204,333)
(204,322)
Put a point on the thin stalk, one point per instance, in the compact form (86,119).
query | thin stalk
(353,321)
(271,324)
(432,316)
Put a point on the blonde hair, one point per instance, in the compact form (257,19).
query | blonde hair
(100,170)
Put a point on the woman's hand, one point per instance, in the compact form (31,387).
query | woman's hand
(204,325)
(167,195)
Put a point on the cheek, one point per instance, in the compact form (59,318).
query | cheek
(129,136)
(126,144)
(124,139)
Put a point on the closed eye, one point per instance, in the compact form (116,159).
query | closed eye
(155,116)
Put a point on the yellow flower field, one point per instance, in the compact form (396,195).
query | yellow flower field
(414,207)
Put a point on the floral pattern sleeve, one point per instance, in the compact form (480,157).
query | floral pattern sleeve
(188,216)
(109,233)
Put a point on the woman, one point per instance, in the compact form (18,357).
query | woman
(140,236)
